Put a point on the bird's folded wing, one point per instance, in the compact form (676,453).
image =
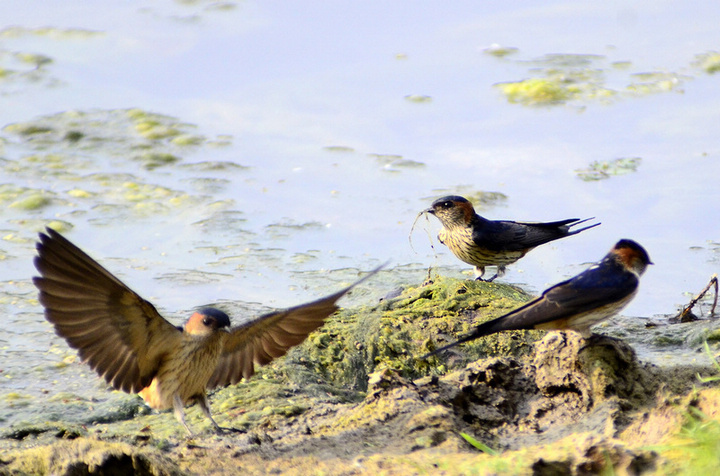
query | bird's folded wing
(501,236)
(119,334)
(505,235)
(581,294)
(270,336)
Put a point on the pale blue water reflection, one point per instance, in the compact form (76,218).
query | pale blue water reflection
(307,100)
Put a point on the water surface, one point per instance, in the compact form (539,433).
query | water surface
(266,153)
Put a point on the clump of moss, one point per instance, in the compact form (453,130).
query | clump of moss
(394,334)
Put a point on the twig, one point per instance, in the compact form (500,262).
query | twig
(686,312)
(426,231)
(428,280)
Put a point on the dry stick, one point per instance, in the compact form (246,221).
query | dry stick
(688,308)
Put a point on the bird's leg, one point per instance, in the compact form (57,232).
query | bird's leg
(202,401)
(179,410)
(479,271)
(500,272)
(205,407)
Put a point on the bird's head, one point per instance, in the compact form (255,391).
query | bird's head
(206,321)
(632,255)
(452,211)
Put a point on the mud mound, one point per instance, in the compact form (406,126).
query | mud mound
(354,399)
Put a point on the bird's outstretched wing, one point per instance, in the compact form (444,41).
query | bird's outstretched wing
(119,334)
(270,336)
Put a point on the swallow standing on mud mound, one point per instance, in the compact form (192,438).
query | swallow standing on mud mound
(126,341)
(579,303)
(482,242)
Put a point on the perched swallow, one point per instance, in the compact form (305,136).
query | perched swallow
(127,342)
(579,303)
(482,242)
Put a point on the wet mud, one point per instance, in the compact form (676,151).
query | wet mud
(355,399)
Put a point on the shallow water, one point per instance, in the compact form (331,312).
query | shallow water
(265,153)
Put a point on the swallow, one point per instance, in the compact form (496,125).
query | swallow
(128,343)
(578,303)
(482,242)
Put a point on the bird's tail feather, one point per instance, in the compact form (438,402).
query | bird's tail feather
(575,232)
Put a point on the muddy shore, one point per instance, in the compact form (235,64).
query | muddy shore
(355,399)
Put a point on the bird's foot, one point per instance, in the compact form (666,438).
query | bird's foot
(489,280)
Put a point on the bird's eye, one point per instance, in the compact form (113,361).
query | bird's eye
(207,321)
(447,204)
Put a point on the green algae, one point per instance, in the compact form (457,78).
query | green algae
(713,335)
(97,162)
(33,59)
(601,170)
(212,166)
(557,79)
(13,397)
(418,98)
(338,149)
(27,129)
(49,31)
(153,160)
(708,62)
(479,198)
(155,140)
(187,139)
(355,343)
(152,129)
(500,51)
(33,201)
(22,67)
(643,84)
(24,198)
(395,163)
(38,224)
(79,193)
(100,164)
(535,91)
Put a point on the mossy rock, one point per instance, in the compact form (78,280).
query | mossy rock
(395,333)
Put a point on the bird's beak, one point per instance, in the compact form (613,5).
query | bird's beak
(428,210)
